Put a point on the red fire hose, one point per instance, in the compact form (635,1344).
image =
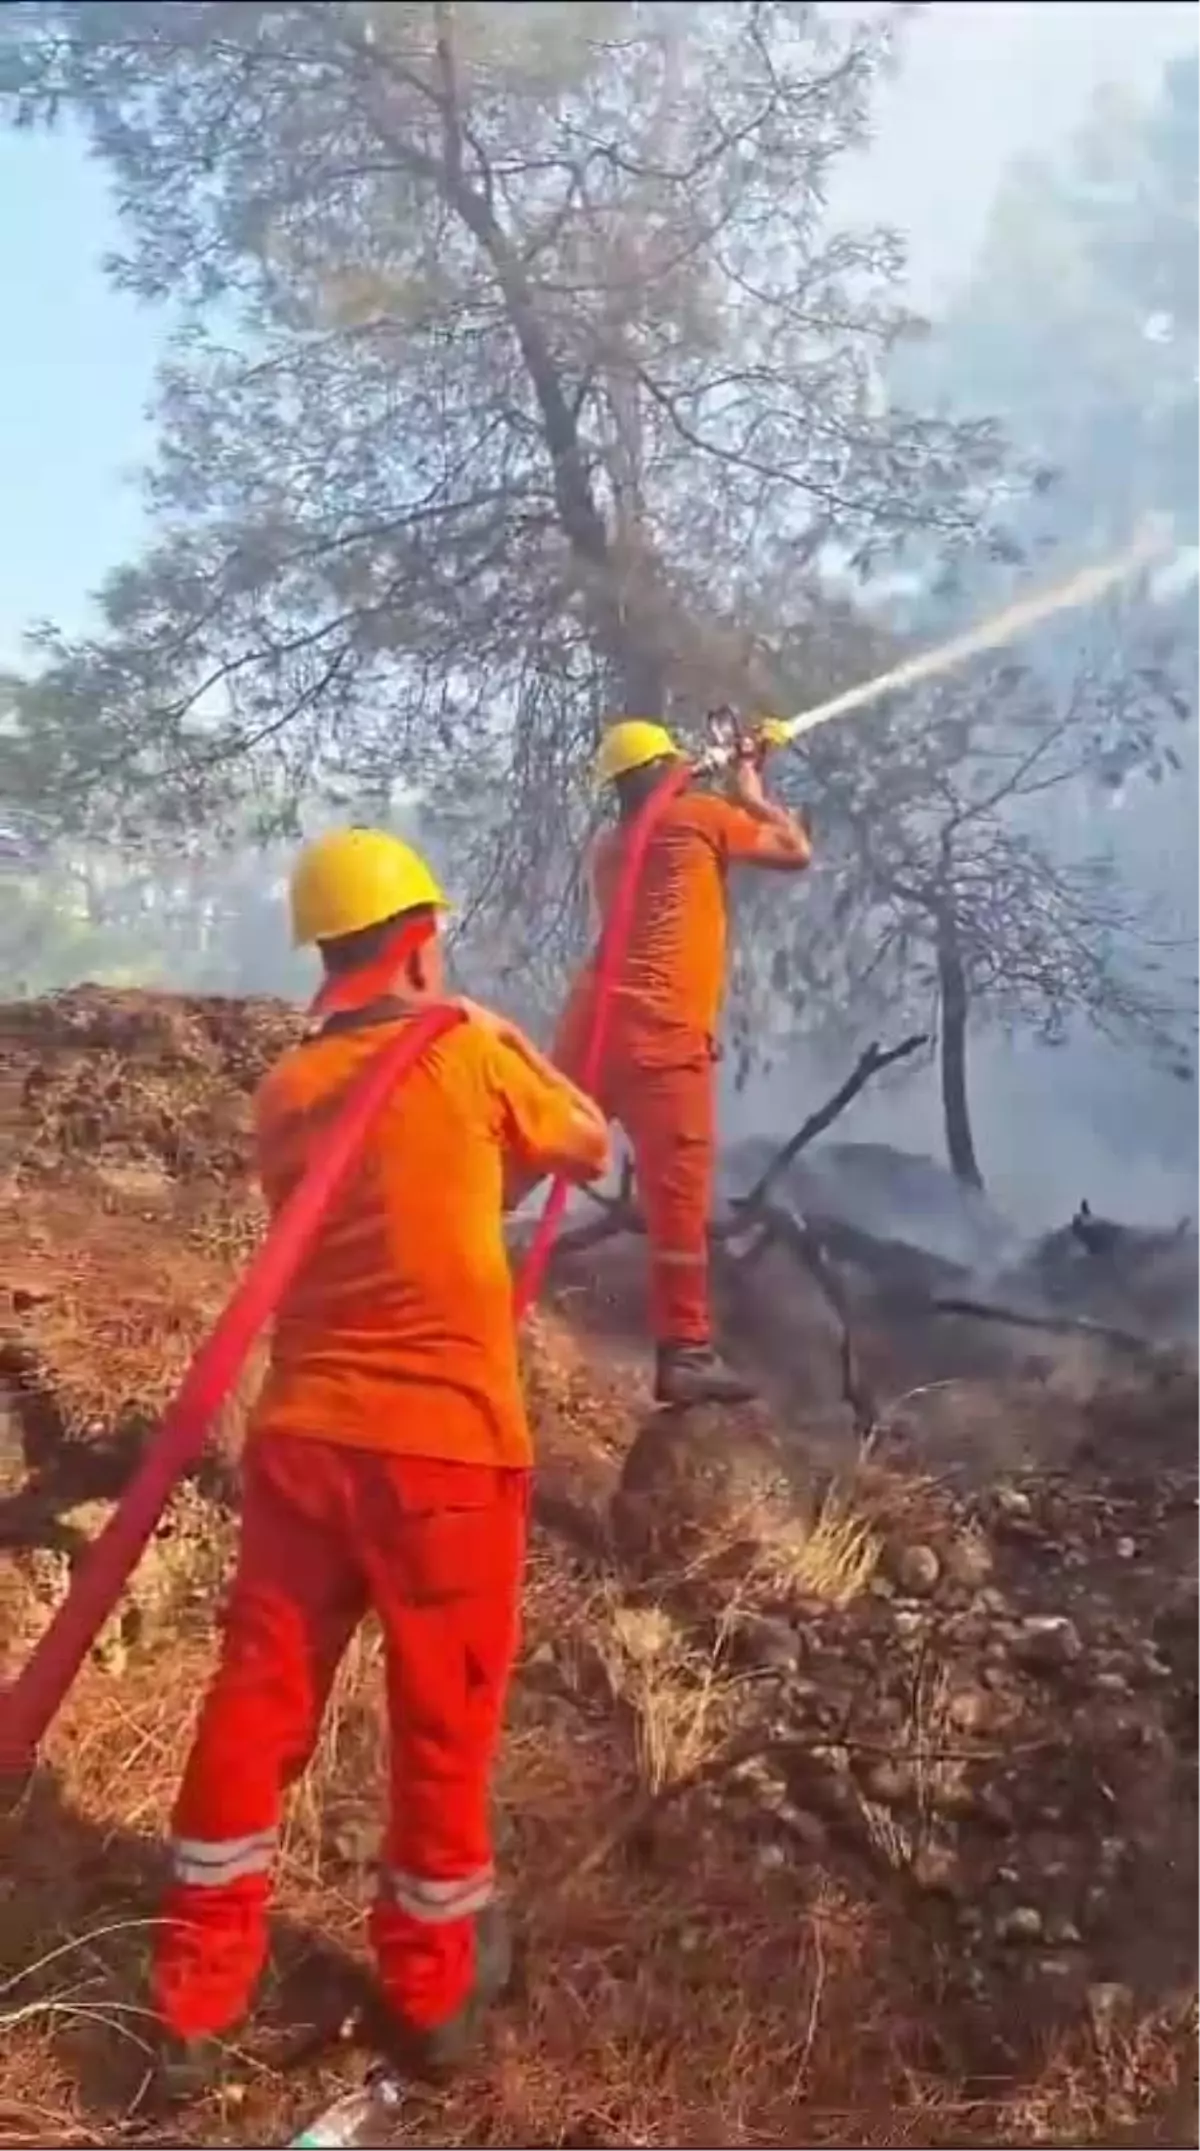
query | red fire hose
(29,1705)
(609,958)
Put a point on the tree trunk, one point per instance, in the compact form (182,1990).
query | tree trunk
(635,666)
(955,1007)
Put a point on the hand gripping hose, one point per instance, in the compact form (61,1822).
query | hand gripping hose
(29,1705)
(611,955)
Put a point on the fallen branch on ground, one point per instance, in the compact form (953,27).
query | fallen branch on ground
(751,1213)
(1062,1325)
(619,1212)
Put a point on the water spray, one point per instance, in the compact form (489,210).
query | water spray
(1153,543)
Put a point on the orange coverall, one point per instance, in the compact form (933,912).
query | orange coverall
(387,1467)
(658,1076)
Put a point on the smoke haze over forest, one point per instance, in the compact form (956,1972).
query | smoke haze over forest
(1036,161)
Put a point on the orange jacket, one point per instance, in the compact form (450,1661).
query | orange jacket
(672,982)
(398,1332)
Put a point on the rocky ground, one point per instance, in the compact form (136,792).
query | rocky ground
(849,1792)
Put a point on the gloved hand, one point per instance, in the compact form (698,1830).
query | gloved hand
(760,736)
(773,732)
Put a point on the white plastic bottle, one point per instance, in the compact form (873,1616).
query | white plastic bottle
(365,2116)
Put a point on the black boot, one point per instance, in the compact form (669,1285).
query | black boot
(439,2051)
(186,2069)
(696,1374)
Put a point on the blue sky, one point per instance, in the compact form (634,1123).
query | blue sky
(76,368)
(983,80)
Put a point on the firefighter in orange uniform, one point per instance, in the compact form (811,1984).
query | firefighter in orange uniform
(658,1077)
(387,1466)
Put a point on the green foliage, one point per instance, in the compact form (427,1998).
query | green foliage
(518,345)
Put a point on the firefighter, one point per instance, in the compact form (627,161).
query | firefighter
(387,1466)
(658,1077)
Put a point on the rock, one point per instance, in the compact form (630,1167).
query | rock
(1150,1666)
(1048,1643)
(834,1760)
(1012,1502)
(969,1561)
(771,1793)
(1125,1549)
(916,1570)
(713,1486)
(1061,1932)
(935,1870)
(950,1793)
(1022,1924)
(889,1782)
(770,1641)
(967,1710)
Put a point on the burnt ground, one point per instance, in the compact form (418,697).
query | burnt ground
(849,1789)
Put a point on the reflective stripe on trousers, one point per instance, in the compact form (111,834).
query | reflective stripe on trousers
(211,1863)
(435,1904)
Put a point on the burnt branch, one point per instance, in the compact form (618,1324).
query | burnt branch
(804,1244)
(775,1226)
(1125,1340)
(870,1063)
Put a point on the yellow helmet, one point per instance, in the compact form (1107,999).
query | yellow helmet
(630,745)
(350,879)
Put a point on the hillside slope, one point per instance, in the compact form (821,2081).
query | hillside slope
(854,1809)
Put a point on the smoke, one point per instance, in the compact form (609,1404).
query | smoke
(1052,1126)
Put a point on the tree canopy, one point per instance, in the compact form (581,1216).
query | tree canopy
(518,347)
(520,375)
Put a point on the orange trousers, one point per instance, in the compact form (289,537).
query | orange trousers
(658,1083)
(437,1549)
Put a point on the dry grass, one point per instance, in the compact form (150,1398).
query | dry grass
(684,1990)
(832,1558)
(634,2032)
(678,1995)
(681,1699)
(114,1326)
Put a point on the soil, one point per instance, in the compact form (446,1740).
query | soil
(849,1788)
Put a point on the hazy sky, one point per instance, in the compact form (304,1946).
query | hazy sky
(985,79)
